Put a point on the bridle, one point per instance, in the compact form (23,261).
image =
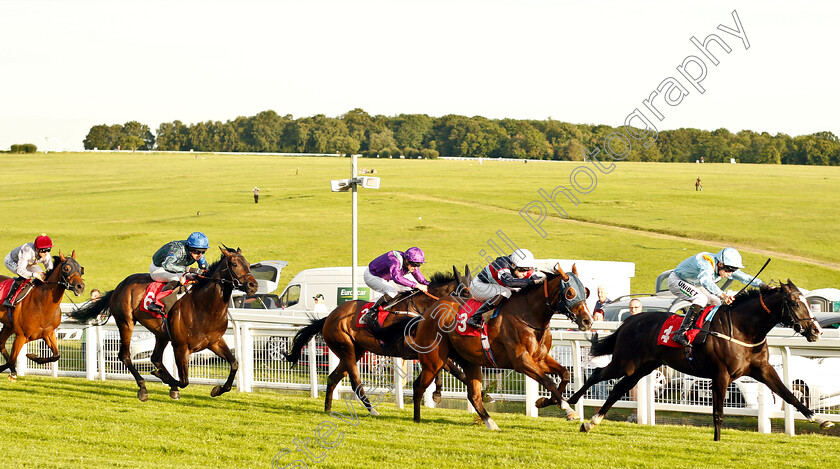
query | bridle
(64,281)
(235,281)
(787,317)
(562,298)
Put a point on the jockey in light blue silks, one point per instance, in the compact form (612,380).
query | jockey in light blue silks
(392,273)
(696,278)
(170,263)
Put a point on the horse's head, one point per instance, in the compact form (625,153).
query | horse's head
(237,270)
(571,298)
(70,273)
(797,314)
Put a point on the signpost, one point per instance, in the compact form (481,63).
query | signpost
(345,185)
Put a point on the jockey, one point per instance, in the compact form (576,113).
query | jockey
(388,274)
(696,279)
(499,280)
(24,260)
(170,262)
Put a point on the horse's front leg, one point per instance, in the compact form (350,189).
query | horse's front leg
(52,343)
(767,375)
(550,366)
(221,349)
(182,362)
(523,362)
(719,385)
(4,337)
(160,370)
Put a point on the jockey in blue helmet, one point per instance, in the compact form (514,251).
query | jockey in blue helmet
(695,279)
(170,263)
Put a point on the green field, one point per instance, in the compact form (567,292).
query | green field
(116,209)
(70,422)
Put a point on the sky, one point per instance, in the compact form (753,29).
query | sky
(70,65)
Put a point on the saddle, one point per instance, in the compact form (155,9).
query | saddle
(666,334)
(23,289)
(154,295)
(380,315)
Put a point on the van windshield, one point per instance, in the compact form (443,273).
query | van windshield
(291,297)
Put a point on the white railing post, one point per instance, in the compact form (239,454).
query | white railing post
(313,370)
(247,367)
(20,365)
(578,373)
(790,427)
(240,357)
(399,383)
(531,391)
(764,404)
(91,349)
(100,352)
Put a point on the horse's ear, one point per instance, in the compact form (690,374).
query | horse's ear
(574,269)
(587,292)
(563,274)
(467,272)
(73,254)
(224,250)
(61,256)
(238,251)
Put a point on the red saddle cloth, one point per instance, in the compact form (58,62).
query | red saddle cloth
(154,295)
(464,313)
(6,285)
(382,314)
(669,329)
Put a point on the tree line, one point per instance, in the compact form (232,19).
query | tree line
(419,135)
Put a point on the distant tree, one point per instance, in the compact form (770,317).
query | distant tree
(383,139)
(98,138)
(131,142)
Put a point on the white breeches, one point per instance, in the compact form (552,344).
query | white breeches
(159,274)
(386,287)
(485,291)
(694,293)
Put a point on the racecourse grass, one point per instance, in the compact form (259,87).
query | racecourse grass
(116,209)
(72,422)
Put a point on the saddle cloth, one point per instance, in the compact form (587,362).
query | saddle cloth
(154,295)
(666,334)
(6,285)
(381,315)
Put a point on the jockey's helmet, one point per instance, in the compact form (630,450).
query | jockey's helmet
(415,255)
(198,240)
(523,259)
(731,258)
(43,242)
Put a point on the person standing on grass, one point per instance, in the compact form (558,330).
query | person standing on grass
(256,195)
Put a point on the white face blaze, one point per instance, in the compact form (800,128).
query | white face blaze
(804,304)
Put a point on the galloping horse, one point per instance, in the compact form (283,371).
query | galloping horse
(519,339)
(349,342)
(38,314)
(737,347)
(197,321)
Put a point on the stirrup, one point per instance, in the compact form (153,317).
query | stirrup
(475,321)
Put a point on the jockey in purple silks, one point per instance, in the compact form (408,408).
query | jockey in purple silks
(389,274)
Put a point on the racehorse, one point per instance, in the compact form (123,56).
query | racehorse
(735,346)
(38,314)
(197,321)
(519,339)
(349,342)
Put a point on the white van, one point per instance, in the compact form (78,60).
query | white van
(335,283)
(267,274)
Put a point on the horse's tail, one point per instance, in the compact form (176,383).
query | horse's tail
(302,338)
(603,346)
(93,309)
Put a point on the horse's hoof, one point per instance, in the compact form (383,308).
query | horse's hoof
(491,425)
(32,356)
(585,427)
(826,424)
(574,416)
(374,412)
(216,391)
(174,394)
(13,378)
(143,395)
(542,402)
(436,398)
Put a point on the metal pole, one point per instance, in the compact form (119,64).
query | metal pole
(355,226)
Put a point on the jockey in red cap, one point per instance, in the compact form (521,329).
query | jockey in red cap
(24,262)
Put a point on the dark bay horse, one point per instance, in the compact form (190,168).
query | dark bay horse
(39,314)
(349,342)
(196,322)
(736,347)
(519,339)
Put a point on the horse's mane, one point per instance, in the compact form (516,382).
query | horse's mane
(752,293)
(212,269)
(441,278)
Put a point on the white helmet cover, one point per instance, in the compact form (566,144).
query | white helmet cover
(730,257)
(523,259)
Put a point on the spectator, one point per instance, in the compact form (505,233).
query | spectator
(635,308)
(598,315)
(256,195)
(602,300)
(95,295)
(320,306)
(698,186)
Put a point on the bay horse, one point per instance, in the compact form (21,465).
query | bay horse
(197,321)
(519,338)
(349,342)
(38,314)
(735,346)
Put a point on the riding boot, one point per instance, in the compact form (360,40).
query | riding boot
(690,316)
(373,312)
(8,301)
(486,309)
(168,301)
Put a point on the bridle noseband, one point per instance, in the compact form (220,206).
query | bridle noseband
(561,298)
(234,281)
